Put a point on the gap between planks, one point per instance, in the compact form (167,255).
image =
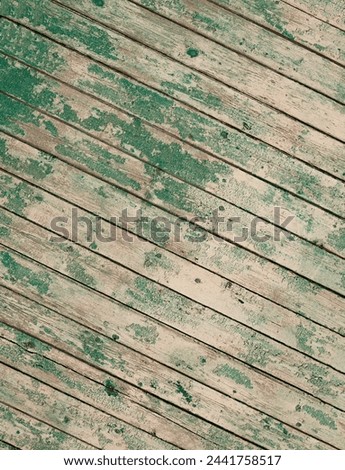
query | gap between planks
(30,322)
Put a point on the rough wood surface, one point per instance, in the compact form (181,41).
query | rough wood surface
(175,333)
(191,87)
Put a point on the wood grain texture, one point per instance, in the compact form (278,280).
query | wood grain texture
(210,266)
(192,88)
(150,151)
(21,430)
(332,12)
(293,23)
(193,359)
(198,130)
(220,63)
(254,42)
(111,356)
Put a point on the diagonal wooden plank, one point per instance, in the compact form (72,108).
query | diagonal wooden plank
(128,173)
(194,88)
(217,62)
(98,389)
(172,386)
(66,413)
(187,125)
(151,145)
(195,360)
(181,238)
(332,12)
(293,24)
(247,345)
(19,429)
(254,42)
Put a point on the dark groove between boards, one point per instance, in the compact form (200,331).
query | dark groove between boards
(313,16)
(197,381)
(38,419)
(66,393)
(179,100)
(178,255)
(95,381)
(242,54)
(174,215)
(264,373)
(10,445)
(203,73)
(277,33)
(160,398)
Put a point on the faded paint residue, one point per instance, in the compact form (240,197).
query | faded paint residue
(110,388)
(145,334)
(320,416)
(16,273)
(236,375)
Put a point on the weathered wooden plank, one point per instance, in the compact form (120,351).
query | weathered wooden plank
(194,88)
(68,414)
(293,24)
(173,386)
(215,61)
(205,434)
(226,261)
(247,345)
(261,160)
(256,43)
(6,446)
(23,431)
(332,12)
(159,149)
(131,174)
(91,386)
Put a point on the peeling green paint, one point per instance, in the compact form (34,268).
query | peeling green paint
(145,334)
(18,273)
(181,390)
(234,374)
(323,418)
(110,388)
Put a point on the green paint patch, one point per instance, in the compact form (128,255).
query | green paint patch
(209,22)
(321,417)
(17,197)
(270,10)
(303,337)
(154,260)
(181,390)
(38,168)
(320,377)
(93,347)
(38,51)
(233,374)
(145,334)
(62,23)
(5,232)
(16,273)
(51,128)
(28,341)
(79,273)
(259,351)
(192,52)
(337,239)
(115,338)
(110,388)
(98,3)
(190,88)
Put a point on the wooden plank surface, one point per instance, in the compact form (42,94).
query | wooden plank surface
(288,19)
(193,88)
(178,332)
